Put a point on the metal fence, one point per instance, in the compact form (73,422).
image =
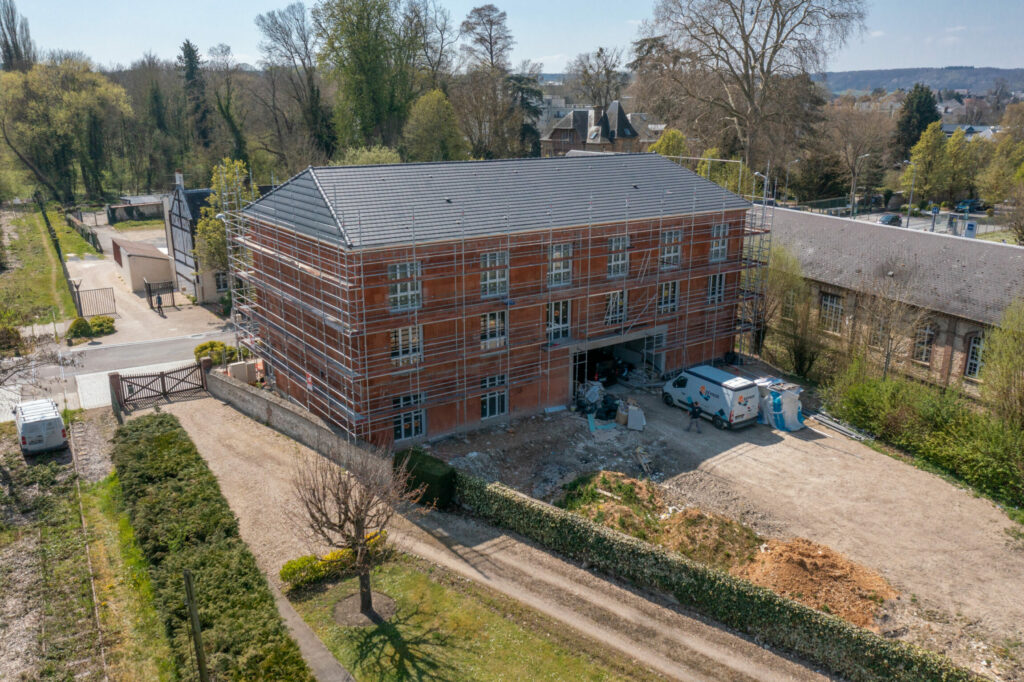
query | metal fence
(90,302)
(143,390)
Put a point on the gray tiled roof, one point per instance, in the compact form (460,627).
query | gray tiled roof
(371,206)
(968,278)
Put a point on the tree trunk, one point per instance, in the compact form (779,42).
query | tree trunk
(365,594)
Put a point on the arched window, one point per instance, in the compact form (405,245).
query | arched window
(924,341)
(975,346)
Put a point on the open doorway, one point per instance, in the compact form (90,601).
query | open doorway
(613,361)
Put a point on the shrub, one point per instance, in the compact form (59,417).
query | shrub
(845,649)
(79,329)
(990,212)
(10,338)
(427,469)
(303,571)
(102,325)
(182,521)
(310,569)
(219,352)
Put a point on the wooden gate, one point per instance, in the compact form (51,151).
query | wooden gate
(142,390)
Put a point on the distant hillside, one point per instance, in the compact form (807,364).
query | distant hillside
(975,79)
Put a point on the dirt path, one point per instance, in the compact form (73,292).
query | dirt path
(254,466)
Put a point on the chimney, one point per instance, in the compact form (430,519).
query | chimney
(179,179)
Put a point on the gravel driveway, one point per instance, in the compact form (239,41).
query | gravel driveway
(254,465)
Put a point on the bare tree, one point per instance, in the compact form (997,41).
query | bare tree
(859,139)
(1016,216)
(440,36)
(17,51)
(736,55)
(490,41)
(888,321)
(596,77)
(348,498)
(22,356)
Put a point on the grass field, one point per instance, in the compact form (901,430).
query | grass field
(128,225)
(34,288)
(999,236)
(448,628)
(70,241)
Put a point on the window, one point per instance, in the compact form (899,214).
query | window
(716,288)
(924,340)
(405,345)
(221,280)
(615,308)
(670,249)
(879,333)
(408,424)
(492,329)
(560,265)
(404,290)
(493,403)
(494,275)
(618,257)
(788,305)
(975,346)
(668,297)
(719,243)
(558,320)
(830,313)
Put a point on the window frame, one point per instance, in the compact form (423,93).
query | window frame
(618,256)
(410,423)
(671,249)
(496,401)
(670,304)
(560,264)
(719,250)
(493,335)
(974,355)
(716,292)
(615,307)
(831,311)
(405,349)
(924,344)
(404,285)
(562,329)
(217,277)
(494,274)
(787,311)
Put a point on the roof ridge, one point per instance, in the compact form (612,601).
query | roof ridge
(330,205)
(420,164)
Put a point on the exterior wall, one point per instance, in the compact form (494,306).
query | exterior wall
(561,141)
(180,243)
(949,356)
(325,312)
(138,269)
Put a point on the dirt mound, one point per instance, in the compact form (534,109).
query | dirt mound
(821,578)
(710,538)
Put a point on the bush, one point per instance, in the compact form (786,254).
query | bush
(80,329)
(937,425)
(310,569)
(426,469)
(844,649)
(10,338)
(990,212)
(102,325)
(219,352)
(182,521)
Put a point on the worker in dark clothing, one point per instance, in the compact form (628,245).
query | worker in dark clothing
(159,305)
(694,416)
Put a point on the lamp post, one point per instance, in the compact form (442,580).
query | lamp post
(913,178)
(853,185)
(764,193)
(785,193)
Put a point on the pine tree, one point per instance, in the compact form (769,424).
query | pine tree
(918,112)
(190,64)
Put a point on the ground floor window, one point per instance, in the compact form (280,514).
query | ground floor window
(221,280)
(493,404)
(924,341)
(409,424)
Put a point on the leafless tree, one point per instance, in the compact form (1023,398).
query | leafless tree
(596,78)
(888,321)
(859,139)
(1016,216)
(17,51)
(735,55)
(347,498)
(439,39)
(489,40)
(22,356)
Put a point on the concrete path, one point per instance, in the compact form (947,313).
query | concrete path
(320,660)
(255,464)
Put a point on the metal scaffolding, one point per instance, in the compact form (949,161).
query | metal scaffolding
(303,305)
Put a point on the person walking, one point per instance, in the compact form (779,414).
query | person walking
(694,416)
(159,305)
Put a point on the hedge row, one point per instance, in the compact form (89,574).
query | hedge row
(844,649)
(427,470)
(182,521)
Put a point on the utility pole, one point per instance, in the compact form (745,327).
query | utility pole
(785,192)
(190,602)
(913,178)
(853,185)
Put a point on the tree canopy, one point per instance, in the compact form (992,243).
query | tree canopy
(919,111)
(432,131)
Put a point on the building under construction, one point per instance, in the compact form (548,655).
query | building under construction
(406,301)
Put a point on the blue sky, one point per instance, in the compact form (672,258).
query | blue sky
(900,33)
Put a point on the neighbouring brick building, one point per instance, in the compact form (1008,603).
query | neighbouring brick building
(601,130)
(411,300)
(964,286)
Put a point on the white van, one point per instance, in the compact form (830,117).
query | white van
(727,400)
(40,426)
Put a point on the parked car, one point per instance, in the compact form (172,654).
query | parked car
(891,219)
(727,400)
(968,206)
(40,426)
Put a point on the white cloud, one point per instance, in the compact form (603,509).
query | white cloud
(877,34)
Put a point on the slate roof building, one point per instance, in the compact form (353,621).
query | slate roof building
(410,300)
(602,130)
(963,284)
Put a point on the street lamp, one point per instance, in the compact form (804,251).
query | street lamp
(764,195)
(913,178)
(785,193)
(853,185)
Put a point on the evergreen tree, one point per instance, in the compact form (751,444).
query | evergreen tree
(190,64)
(918,112)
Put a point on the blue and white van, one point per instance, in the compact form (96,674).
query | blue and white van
(727,400)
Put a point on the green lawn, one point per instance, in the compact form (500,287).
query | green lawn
(447,628)
(128,225)
(34,288)
(70,240)
(999,236)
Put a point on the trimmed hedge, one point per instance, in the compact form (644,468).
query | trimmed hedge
(844,649)
(181,521)
(438,476)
